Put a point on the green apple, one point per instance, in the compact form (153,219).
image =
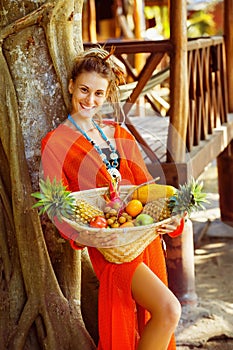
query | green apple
(143,219)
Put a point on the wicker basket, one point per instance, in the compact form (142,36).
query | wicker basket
(123,244)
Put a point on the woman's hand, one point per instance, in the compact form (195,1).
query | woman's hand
(169,227)
(173,228)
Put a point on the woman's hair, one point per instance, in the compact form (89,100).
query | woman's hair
(102,62)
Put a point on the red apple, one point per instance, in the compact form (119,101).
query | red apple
(98,222)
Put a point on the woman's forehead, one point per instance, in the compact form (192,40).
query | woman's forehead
(92,79)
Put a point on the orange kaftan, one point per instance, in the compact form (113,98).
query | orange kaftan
(67,155)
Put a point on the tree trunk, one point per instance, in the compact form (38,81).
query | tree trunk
(40,282)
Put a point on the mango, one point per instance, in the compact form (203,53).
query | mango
(151,192)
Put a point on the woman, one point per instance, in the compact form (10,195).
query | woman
(86,153)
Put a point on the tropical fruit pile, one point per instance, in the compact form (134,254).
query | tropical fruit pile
(148,204)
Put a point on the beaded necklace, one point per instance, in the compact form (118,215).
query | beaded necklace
(111,168)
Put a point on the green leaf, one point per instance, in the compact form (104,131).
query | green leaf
(36,205)
(54,199)
(38,195)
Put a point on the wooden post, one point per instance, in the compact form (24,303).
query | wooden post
(181,274)
(92,21)
(225,159)
(180,257)
(228,31)
(225,183)
(89,21)
(139,27)
(178,82)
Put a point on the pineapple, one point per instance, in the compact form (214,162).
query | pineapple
(158,209)
(84,211)
(188,198)
(57,201)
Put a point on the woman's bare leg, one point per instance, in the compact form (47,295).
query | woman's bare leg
(151,293)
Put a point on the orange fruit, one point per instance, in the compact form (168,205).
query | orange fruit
(134,207)
(127,224)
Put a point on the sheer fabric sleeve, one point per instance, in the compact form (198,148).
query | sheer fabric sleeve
(52,159)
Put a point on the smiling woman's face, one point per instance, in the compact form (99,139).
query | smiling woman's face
(89,91)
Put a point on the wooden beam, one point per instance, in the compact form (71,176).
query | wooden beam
(180,252)
(139,27)
(178,82)
(228,31)
(143,78)
(92,21)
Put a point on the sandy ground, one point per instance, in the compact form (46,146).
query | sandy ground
(209,324)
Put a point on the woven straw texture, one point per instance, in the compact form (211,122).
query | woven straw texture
(128,242)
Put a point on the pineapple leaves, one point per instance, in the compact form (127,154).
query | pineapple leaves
(54,199)
(188,198)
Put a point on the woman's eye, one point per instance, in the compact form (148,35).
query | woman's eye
(100,93)
(84,89)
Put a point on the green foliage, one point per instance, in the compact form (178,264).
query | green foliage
(188,198)
(54,199)
(200,24)
(161,15)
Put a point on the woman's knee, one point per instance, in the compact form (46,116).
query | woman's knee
(171,312)
(149,292)
(174,310)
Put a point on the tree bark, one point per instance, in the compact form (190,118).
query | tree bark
(40,281)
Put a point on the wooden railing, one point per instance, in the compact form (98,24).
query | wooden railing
(208,105)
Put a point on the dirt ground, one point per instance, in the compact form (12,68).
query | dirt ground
(209,324)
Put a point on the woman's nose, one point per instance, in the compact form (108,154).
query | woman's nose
(90,98)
